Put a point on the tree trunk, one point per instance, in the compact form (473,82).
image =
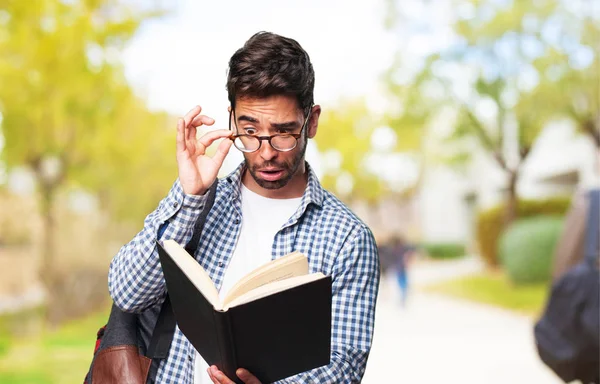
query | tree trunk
(512,202)
(591,129)
(47,265)
(48,272)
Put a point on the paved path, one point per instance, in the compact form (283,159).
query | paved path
(437,339)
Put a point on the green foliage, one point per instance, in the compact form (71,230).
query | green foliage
(444,250)
(18,324)
(527,249)
(494,288)
(5,342)
(55,357)
(490,222)
(5,338)
(504,71)
(346,131)
(64,97)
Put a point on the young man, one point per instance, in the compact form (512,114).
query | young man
(271,205)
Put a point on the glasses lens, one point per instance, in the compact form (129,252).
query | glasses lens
(246,143)
(283,142)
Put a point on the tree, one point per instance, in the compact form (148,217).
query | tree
(501,73)
(61,88)
(569,69)
(344,140)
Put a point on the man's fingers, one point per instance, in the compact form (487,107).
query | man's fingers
(180,136)
(218,376)
(191,114)
(246,376)
(208,138)
(190,133)
(222,151)
(192,128)
(212,377)
(202,120)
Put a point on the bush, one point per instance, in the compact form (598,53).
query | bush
(20,324)
(444,250)
(5,337)
(490,222)
(527,247)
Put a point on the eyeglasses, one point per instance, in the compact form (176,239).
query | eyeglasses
(282,142)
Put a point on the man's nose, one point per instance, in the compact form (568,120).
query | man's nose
(267,152)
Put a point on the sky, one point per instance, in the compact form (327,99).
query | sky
(181,60)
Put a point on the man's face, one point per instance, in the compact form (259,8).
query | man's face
(272,169)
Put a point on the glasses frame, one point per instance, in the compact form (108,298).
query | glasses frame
(267,138)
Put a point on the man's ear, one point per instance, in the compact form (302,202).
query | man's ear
(313,123)
(229,109)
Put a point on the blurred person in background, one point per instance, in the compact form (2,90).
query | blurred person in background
(403,254)
(570,246)
(271,205)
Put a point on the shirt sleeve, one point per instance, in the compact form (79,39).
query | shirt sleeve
(355,286)
(135,278)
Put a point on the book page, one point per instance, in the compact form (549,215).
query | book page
(276,286)
(194,271)
(291,265)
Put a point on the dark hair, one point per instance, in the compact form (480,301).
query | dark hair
(269,64)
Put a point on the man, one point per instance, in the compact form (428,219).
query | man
(404,254)
(272,204)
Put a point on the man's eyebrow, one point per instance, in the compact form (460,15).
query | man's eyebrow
(286,125)
(247,118)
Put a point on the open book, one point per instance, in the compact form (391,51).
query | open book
(278,275)
(275,321)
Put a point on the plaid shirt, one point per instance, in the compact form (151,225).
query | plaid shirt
(335,241)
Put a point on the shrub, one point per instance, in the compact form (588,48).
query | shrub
(490,222)
(527,247)
(5,337)
(444,250)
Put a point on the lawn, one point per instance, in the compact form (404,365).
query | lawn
(60,356)
(494,288)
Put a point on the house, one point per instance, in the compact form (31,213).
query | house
(560,161)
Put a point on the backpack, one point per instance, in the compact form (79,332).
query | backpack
(131,346)
(567,334)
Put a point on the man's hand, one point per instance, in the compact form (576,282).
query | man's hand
(197,171)
(219,377)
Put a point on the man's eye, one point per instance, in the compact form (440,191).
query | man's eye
(250,131)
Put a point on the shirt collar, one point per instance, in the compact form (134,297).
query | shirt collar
(313,193)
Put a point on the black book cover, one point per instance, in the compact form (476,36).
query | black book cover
(274,337)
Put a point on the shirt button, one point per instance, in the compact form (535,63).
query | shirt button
(220,263)
(175,204)
(190,358)
(236,221)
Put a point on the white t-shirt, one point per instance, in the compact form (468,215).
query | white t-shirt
(262,218)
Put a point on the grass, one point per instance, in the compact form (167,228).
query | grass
(494,288)
(60,356)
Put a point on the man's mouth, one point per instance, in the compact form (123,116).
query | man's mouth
(270,174)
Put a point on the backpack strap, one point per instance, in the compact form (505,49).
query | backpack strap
(592,234)
(162,335)
(160,343)
(210,200)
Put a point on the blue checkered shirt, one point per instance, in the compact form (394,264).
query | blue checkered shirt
(336,242)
